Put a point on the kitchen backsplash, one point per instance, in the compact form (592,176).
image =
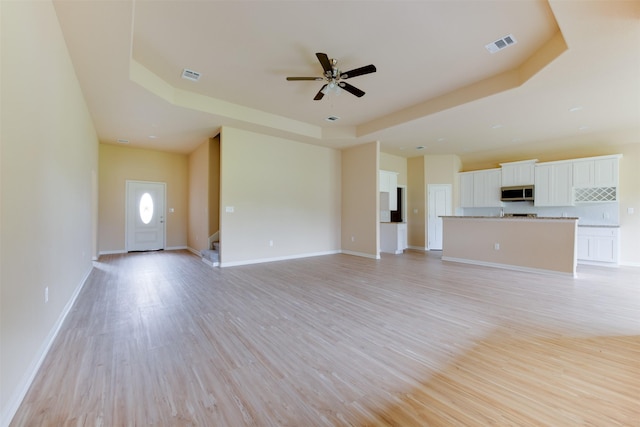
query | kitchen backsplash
(589,213)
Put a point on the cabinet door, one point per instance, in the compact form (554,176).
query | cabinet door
(543,196)
(492,184)
(583,174)
(562,184)
(583,247)
(518,174)
(466,190)
(384,182)
(605,173)
(602,248)
(486,188)
(393,192)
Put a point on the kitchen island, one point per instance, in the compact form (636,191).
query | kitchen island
(540,244)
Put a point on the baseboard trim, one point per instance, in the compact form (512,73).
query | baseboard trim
(283,258)
(120,251)
(629,264)
(508,266)
(16,400)
(418,248)
(210,263)
(361,254)
(177,248)
(192,250)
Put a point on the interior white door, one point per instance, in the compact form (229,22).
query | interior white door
(439,199)
(145,226)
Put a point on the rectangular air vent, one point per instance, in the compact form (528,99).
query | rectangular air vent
(502,43)
(332,118)
(190,75)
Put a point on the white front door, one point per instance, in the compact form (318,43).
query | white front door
(439,197)
(145,227)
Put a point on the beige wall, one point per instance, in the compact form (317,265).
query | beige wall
(360,200)
(198,224)
(119,164)
(416,203)
(422,171)
(389,162)
(629,198)
(48,162)
(214,185)
(281,191)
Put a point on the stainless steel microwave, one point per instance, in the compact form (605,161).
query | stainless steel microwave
(520,193)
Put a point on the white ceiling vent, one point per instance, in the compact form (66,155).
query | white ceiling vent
(190,75)
(502,43)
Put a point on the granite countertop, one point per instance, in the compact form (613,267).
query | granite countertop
(599,225)
(519,218)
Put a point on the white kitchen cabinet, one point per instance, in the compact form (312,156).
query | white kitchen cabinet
(480,188)
(554,184)
(393,237)
(598,244)
(596,172)
(466,189)
(389,184)
(518,173)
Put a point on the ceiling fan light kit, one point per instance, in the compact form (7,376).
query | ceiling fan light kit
(334,77)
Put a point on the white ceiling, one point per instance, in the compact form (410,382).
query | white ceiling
(436,85)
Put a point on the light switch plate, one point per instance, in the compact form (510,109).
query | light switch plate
(229,209)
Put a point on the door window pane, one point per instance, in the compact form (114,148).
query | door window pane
(146,208)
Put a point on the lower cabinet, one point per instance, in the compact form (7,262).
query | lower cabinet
(393,237)
(598,244)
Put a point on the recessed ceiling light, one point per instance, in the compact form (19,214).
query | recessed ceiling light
(574,109)
(152,137)
(123,141)
(583,128)
(496,126)
(441,139)
(332,118)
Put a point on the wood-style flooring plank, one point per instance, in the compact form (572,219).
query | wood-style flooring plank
(163,339)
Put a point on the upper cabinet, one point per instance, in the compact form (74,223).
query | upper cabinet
(389,184)
(554,184)
(480,188)
(559,183)
(596,172)
(518,173)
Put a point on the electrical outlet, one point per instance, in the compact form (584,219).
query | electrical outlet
(271,243)
(353,238)
(496,246)
(46,294)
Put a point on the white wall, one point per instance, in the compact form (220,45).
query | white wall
(47,191)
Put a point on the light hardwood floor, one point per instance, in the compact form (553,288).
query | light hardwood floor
(162,339)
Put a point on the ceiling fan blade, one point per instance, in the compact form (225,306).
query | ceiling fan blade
(320,94)
(351,89)
(358,71)
(317,79)
(324,61)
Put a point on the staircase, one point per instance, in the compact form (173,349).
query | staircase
(211,256)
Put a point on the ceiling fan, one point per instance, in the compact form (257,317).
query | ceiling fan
(334,77)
